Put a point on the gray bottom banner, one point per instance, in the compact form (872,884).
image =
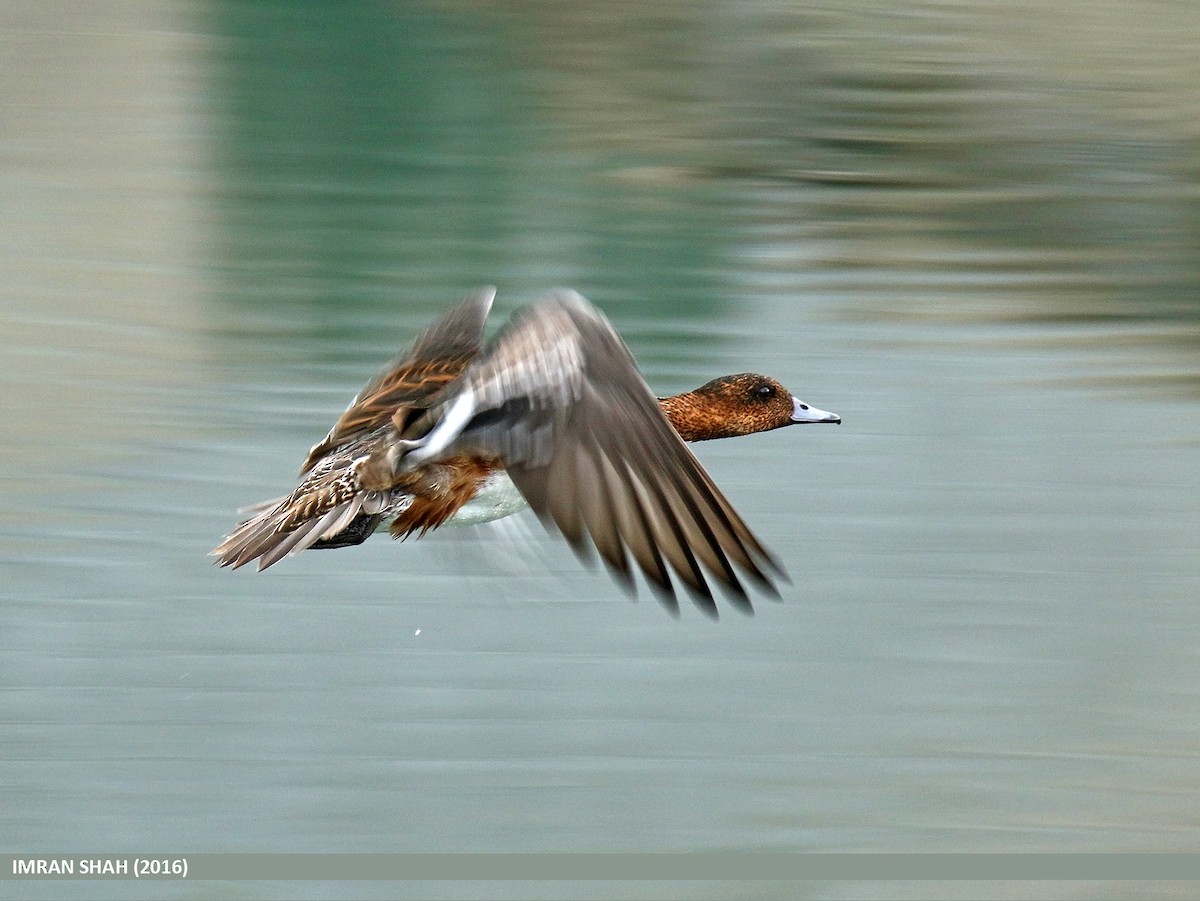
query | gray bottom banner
(700,866)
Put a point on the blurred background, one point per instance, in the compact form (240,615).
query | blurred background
(972,229)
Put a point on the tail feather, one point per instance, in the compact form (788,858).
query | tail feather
(274,533)
(309,532)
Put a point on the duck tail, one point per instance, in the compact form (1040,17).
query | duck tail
(328,509)
(289,527)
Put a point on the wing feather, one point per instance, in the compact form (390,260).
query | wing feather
(436,358)
(558,396)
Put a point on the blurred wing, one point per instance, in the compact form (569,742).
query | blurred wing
(558,396)
(439,355)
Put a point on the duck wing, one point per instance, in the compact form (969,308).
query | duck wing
(558,396)
(331,504)
(437,357)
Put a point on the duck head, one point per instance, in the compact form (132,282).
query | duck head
(738,405)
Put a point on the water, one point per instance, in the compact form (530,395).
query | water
(969,229)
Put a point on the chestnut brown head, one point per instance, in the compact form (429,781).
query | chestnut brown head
(738,405)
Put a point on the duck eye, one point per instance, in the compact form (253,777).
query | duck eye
(765,391)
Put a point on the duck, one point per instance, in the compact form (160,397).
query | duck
(554,414)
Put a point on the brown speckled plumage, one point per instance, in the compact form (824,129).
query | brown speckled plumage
(555,400)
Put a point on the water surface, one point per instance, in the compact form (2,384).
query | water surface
(971,232)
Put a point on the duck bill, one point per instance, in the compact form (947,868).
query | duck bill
(802,412)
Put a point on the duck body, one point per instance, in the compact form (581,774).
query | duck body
(552,414)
